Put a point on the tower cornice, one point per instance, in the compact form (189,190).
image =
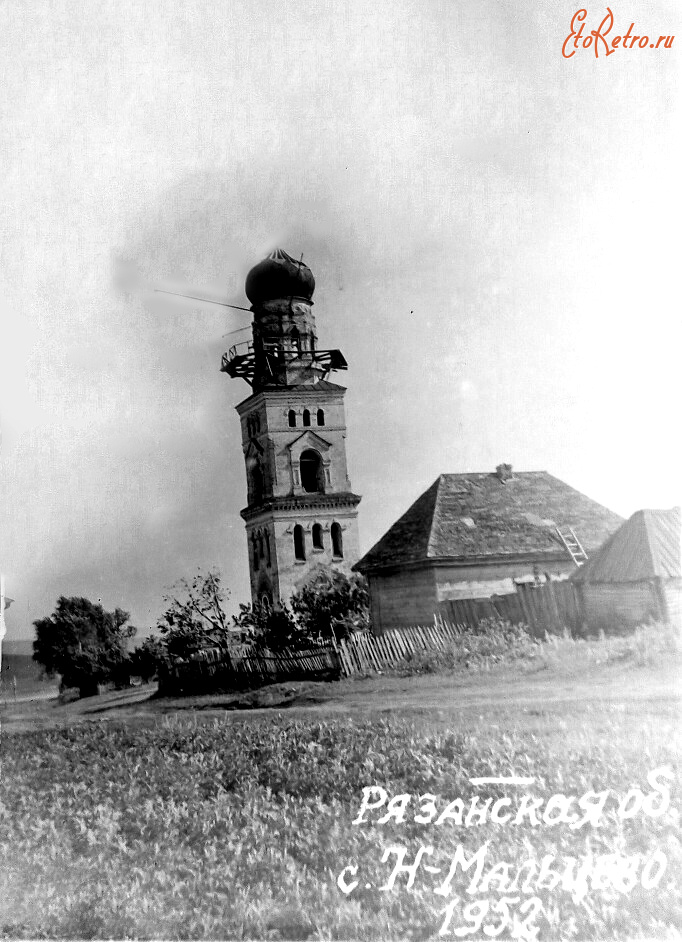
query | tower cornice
(320,390)
(302,502)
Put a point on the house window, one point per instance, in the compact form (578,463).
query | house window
(295,340)
(299,543)
(256,557)
(320,416)
(306,417)
(317,537)
(337,541)
(268,558)
(312,472)
(292,419)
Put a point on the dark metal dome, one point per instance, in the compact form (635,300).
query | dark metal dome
(279,276)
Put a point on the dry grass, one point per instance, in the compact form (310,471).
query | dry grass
(499,643)
(193,827)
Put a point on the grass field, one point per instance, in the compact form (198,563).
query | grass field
(158,819)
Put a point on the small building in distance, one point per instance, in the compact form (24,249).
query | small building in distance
(474,536)
(637,574)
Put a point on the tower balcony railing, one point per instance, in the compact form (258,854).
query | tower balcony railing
(240,360)
(240,350)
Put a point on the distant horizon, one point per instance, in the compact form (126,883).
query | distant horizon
(17,640)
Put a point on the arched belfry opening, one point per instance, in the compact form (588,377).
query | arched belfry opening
(312,472)
(293,434)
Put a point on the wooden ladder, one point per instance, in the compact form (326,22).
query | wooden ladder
(573,545)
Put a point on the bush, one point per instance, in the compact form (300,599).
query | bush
(272,628)
(492,641)
(332,604)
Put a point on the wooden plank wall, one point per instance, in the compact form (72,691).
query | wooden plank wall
(550,607)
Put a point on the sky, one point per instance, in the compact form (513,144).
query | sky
(493,229)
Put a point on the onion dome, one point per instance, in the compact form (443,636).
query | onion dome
(279,276)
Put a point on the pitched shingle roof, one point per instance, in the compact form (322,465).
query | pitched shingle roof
(463,516)
(644,547)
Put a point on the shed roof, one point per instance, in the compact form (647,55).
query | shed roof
(645,547)
(482,515)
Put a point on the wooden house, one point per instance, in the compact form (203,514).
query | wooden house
(636,576)
(474,536)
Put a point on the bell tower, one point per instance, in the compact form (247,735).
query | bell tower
(300,512)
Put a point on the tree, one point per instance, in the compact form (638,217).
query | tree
(332,604)
(83,643)
(147,659)
(195,616)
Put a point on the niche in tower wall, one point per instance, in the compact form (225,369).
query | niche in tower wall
(257,483)
(337,540)
(299,543)
(260,540)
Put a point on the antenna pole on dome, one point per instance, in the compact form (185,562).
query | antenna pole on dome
(192,297)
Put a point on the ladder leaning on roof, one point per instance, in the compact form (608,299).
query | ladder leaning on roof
(573,545)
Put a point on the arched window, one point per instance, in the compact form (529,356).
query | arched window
(261,546)
(317,537)
(256,557)
(292,419)
(295,340)
(299,542)
(306,417)
(320,416)
(337,541)
(266,602)
(312,472)
(268,558)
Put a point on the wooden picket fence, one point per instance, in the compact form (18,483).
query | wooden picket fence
(366,653)
(550,607)
(215,669)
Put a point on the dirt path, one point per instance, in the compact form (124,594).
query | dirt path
(445,698)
